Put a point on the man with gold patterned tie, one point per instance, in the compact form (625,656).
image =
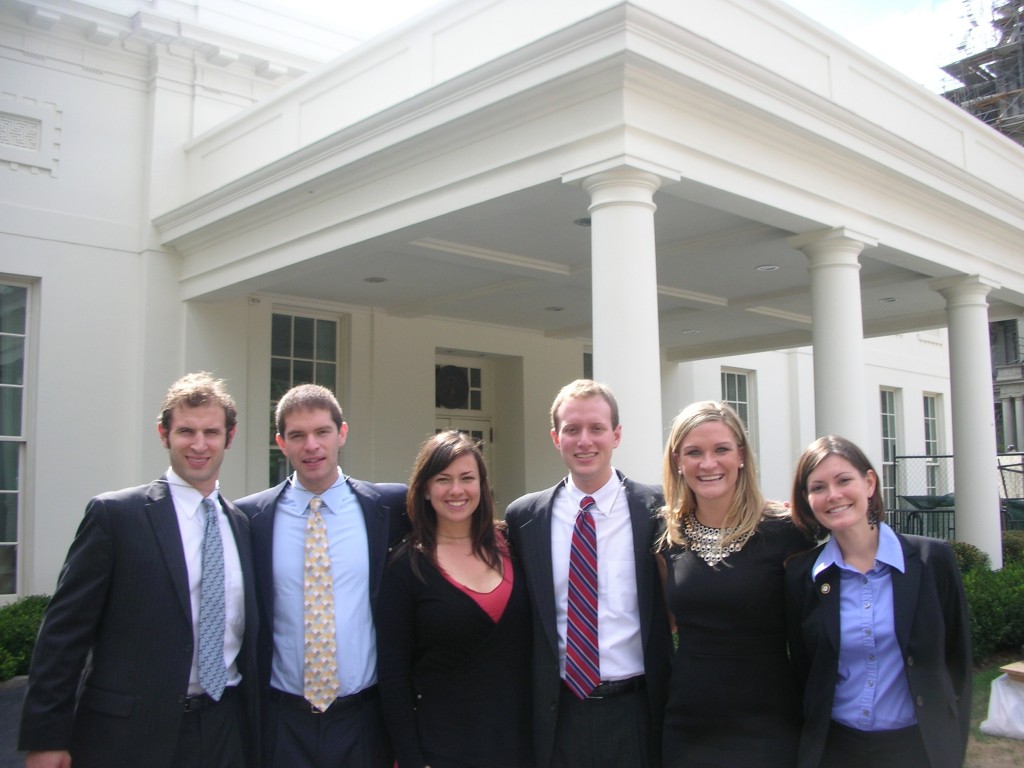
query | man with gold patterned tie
(146,655)
(601,640)
(320,542)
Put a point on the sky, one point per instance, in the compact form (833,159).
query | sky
(915,37)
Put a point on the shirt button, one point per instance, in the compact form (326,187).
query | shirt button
(866,606)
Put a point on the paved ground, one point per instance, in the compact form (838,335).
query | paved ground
(11,694)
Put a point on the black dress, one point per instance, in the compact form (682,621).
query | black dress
(733,698)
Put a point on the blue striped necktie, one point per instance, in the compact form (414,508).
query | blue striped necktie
(213,675)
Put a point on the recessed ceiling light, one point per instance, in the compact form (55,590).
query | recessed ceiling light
(553,309)
(887,299)
(689,331)
(767,268)
(375,279)
(584,222)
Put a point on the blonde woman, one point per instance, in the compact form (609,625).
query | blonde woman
(733,697)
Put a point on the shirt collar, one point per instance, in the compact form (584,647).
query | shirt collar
(604,497)
(889,553)
(330,497)
(186,493)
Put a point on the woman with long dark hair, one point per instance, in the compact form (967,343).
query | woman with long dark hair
(453,628)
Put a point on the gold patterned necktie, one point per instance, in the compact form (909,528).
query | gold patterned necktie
(320,672)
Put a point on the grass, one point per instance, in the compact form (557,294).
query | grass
(985,751)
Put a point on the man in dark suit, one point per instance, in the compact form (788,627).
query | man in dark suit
(615,719)
(321,703)
(121,674)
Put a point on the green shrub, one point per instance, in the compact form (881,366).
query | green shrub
(19,625)
(996,603)
(1013,547)
(970,558)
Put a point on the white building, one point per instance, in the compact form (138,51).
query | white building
(501,186)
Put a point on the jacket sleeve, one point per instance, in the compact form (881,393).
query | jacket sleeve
(959,661)
(67,634)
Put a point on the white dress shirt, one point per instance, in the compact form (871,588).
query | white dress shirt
(618,614)
(192,524)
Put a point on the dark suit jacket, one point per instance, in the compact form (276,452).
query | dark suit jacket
(933,631)
(123,597)
(529,521)
(383,506)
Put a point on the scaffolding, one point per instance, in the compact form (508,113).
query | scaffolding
(992,80)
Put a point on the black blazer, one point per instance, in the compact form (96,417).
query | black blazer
(933,631)
(455,684)
(383,506)
(529,522)
(123,597)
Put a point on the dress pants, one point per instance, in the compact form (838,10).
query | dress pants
(603,732)
(849,748)
(213,737)
(351,733)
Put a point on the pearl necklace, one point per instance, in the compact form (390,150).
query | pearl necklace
(707,542)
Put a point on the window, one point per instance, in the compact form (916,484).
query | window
(888,412)
(303,350)
(458,388)
(931,442)
(13,344)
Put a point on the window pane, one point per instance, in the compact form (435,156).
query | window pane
(474,400)
(280,377)
(326,375)
(9,466)
(12,359)
(281,336)
(12,309)
(302,339)
(8,584)
(474,378)
(326,341)
(278,468)
(10,411)
(302,372)
(9,517)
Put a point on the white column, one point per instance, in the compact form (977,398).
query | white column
(1018,421)
(1006,405)
(975,466)
(837,332)
(624,288)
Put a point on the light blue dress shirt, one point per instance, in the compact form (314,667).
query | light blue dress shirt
(350,568)
(871,693)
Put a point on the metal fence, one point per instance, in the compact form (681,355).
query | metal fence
(923,500)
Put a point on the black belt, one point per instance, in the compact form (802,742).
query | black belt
(203,700)
(294,701)
(609,689)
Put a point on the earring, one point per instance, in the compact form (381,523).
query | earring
(742,465)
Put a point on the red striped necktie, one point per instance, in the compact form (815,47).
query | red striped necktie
(582,661)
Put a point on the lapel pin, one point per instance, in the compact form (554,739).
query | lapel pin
(826,588)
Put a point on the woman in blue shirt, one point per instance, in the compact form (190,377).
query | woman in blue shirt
(878,626)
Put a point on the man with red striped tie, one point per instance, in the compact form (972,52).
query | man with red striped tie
(601,639)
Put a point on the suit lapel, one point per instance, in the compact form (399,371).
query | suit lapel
(826,587)
(261,526)
(243,543)
(376,519)
(163,518)
(642,523)
(905,587)
(536,542)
